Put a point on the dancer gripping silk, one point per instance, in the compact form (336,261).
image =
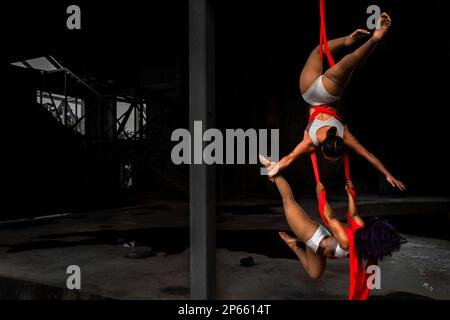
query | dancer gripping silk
(374,239)
(323,90)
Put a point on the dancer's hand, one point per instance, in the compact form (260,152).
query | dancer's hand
(395,183)
(349,186)
(319,189)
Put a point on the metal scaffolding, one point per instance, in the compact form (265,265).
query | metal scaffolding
(121,126)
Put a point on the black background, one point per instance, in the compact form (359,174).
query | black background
(396,104)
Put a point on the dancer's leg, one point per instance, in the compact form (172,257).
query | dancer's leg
(313,263)
(337,77)
(300,224)
(303,227)
(298,220)
(314,66)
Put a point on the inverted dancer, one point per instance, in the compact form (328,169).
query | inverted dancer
(375,239)
(324,90)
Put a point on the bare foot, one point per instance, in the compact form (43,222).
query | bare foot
(385,23)
(355,36)
(268,164)
(264,161)
(291,242)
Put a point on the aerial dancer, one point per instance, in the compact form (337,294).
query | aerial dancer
(322,90)
(371,240)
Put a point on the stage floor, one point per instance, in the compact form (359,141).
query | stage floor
(35,254)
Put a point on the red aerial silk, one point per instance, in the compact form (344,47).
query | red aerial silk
(323,36)
(358,289)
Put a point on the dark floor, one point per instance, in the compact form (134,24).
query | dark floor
(36,253)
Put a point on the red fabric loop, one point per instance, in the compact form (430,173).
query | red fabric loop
(325,108)
(323,36)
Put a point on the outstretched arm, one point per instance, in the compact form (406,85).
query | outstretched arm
(353,143)
(334,224)
(304,147)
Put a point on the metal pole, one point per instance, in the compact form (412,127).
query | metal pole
(135,117)
(141,117)
(202,177)
(65,98)
(76,112)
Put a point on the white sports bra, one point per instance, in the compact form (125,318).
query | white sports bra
(330,122)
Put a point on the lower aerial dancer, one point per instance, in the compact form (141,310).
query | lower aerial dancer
(371,240)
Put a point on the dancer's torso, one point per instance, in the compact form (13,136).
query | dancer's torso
(329,248)
(323,243)
(318,128)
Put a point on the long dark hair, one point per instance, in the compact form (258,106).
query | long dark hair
(378,239)
(333,145)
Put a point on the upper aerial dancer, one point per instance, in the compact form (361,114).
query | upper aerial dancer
(322,90)
(371,239)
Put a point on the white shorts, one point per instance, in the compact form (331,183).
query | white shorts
(317,95)
(314,242)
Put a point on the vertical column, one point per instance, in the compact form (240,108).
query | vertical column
(109,118)
(201,177)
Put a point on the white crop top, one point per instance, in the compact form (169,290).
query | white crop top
(330,122)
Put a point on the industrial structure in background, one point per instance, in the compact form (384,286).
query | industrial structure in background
(124,129)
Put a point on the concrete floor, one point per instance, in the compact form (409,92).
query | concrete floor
(34,256)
